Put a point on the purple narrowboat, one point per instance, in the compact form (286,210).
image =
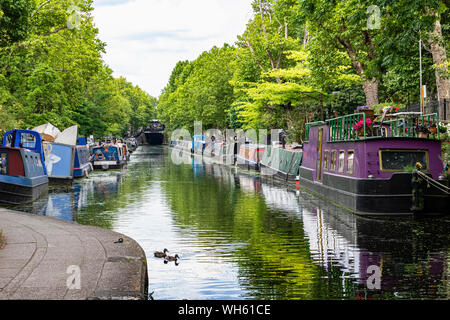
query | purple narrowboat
(367,166)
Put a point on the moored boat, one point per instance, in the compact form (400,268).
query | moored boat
(111,155)
(59,152)
(368,167)
(250,155)
(282,163)
(23,176)
(82,164)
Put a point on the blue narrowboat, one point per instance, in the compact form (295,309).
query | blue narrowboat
(59,152)
(110,156)
(23,175)
(82,164)
(198,144)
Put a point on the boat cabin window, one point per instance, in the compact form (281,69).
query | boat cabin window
(3,163)
(27,141)
(9,140)
(325,160)
(399,160)
(350,160)
(341,161)
(333,160)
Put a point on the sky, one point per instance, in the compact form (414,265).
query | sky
(146,38)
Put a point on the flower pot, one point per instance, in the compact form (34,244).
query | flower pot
(370,114)
(433,130)
(423,135)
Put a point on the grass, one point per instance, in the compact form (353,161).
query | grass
(2,239)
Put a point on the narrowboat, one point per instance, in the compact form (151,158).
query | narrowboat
(281,163)
(23,176)
(82,164)
(131,144)
(367,166)
(198,144)
(111,155)
(250,155)
(59,152)
(220,152)
(154,133)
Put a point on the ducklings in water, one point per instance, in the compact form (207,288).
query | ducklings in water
(160,254)
(170,258)
(174,258)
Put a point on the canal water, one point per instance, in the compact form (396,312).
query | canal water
(241,236)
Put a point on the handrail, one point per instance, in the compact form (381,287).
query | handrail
(343,128)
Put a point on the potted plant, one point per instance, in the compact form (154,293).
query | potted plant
(433,128)
(370,113)
(423,131)
(442,128)
(359,127)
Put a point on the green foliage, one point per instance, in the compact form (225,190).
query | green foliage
(199,91)
(299,60)
(49,73)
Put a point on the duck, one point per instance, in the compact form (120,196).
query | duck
(160,254)
(174,258)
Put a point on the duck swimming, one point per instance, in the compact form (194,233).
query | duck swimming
(160,254)
(174,258)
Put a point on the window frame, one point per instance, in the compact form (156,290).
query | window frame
(339,162)
(333,163)
(7,162)
(326,160)
(353,162)
(380,159)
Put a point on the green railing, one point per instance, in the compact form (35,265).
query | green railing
(343,128)
(407,126)
(308,127)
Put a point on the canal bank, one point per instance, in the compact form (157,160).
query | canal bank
(50,259)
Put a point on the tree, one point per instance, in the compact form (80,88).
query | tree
(343,26)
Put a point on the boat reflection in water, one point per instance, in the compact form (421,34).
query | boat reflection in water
(401,258)
(64,203)
(387,259)
(243,236)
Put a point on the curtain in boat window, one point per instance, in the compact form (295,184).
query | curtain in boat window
(341,161)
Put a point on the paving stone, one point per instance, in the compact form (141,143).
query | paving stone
(39,250)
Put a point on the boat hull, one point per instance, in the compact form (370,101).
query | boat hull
(154,138)
(247,164)
(374,196)
(108,165)
(268,171)
(18,194)
(83,171)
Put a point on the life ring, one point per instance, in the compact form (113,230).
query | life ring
(100,156)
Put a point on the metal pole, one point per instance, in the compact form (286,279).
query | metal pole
(421,93)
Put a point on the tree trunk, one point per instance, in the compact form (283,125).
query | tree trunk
(439,60)
(371,91)
(370,86)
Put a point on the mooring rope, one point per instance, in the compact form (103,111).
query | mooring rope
(436,184)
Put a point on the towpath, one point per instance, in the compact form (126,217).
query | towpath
(49,259)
